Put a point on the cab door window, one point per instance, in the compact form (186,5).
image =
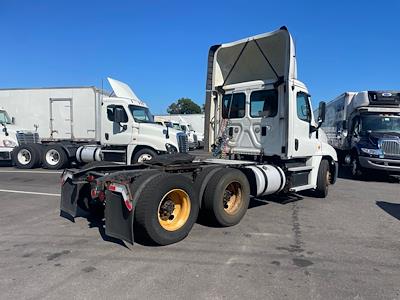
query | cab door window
(233,106)
(111,111)
(303,107)
(264,103)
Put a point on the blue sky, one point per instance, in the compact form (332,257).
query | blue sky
(160,47)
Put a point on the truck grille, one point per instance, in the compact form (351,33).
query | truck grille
(391,147)
(183,142)
(195,138)
(27,137)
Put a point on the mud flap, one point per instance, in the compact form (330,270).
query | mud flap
(118,219)
(69,199)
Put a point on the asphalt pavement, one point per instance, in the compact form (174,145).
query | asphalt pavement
(346,246)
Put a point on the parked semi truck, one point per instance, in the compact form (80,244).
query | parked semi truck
(196,122)
(364,128)
(180,124)
(259,111)
(54,127)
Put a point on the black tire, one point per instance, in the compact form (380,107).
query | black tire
(137,158)
(54,157)
(219,185)
(321,191)
(356,170)
(26,156)
(148,223)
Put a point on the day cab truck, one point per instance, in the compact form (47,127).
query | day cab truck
(261,115)
(57,127)
(364,128)
(192,124)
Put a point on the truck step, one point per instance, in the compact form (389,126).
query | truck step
(113,151)
(300,169)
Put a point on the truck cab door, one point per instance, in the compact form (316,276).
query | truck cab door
(116,124)
(303,142)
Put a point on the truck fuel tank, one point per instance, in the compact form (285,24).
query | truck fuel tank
(269,179)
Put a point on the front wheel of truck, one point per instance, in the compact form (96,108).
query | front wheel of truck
(166,210)
(323,179)
(356,170)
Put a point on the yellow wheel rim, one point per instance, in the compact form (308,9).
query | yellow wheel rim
(232,199)
(174,210)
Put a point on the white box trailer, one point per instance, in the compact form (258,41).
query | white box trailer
(58,113)
(54,127)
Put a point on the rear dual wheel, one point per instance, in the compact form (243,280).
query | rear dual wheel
(227,197)
(167,209)
(54,157)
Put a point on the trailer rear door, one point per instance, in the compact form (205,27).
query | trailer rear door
(61,122)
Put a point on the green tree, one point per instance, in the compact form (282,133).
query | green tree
(184,106)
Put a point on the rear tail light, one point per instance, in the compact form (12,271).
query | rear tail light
(98,194)
(121,189)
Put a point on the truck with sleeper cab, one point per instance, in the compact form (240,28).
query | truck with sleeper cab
(259,125)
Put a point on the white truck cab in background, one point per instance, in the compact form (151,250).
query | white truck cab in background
(81,125)
(8,138)
(256,109)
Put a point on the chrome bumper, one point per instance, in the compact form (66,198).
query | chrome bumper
(383,164)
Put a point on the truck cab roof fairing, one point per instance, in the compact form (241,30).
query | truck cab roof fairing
(266,56)
(122,90)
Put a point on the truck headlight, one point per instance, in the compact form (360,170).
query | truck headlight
(9,143)
(170,148)
(376,152)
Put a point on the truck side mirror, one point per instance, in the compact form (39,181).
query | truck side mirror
(120,115)
(321,112)
(12,120)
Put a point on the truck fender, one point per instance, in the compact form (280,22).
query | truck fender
(131,151)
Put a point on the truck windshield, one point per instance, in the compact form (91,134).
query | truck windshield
(176,126)
(379,123)
(141,114)
(4,118)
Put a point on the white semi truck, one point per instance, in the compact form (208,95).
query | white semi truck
(258,116)
(179,123)
(364,128)
(54,127)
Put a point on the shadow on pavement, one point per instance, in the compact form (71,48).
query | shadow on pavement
(371,175)
(280,199)
(98,223)
(392,209)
